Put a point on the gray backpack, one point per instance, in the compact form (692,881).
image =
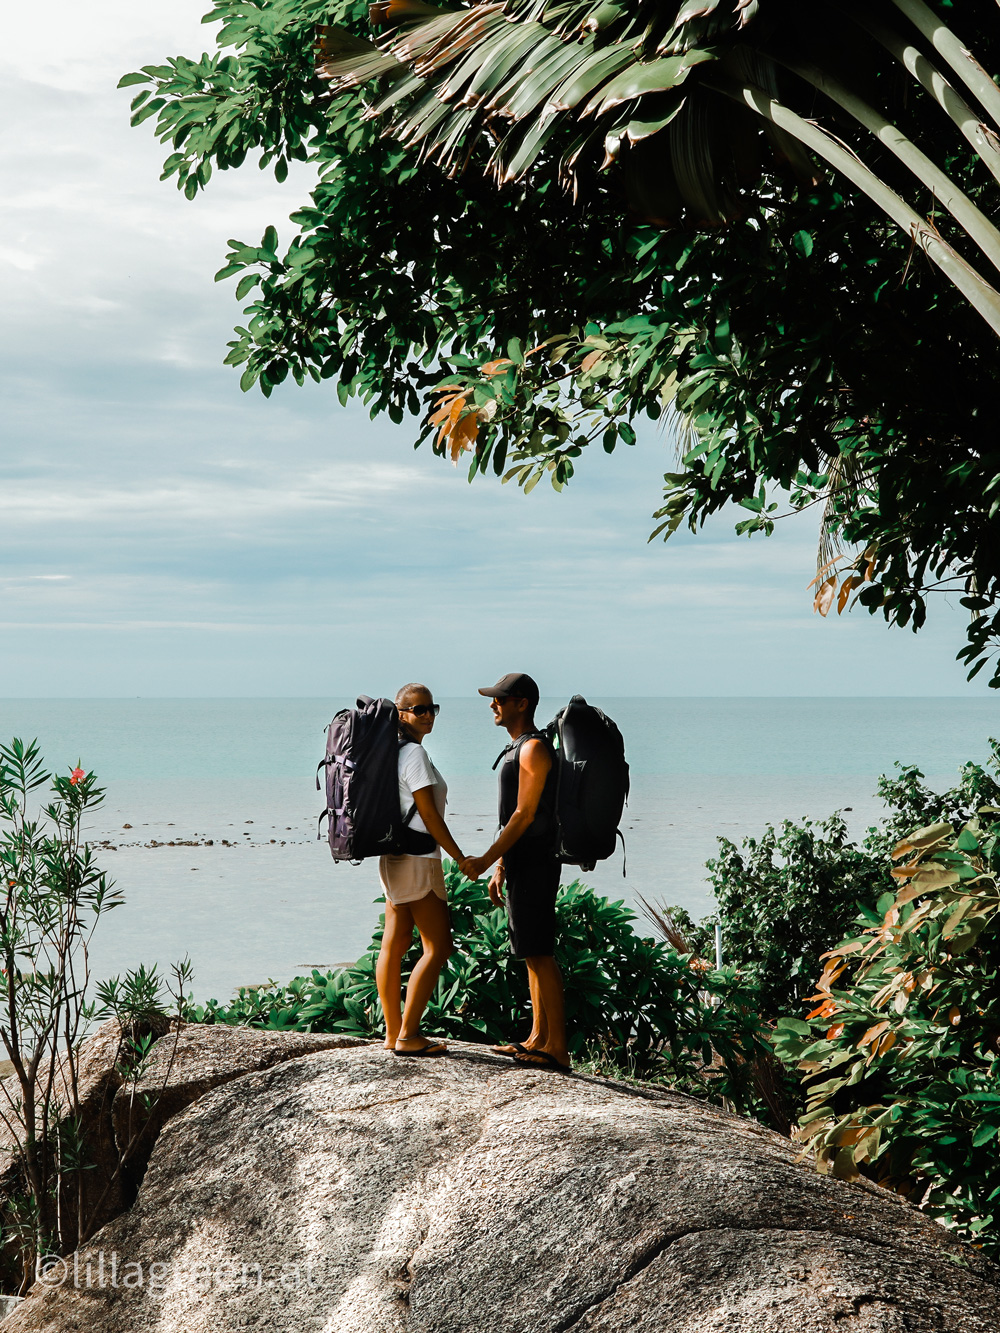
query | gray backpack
(362,786)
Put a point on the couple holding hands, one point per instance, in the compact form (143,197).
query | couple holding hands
(526,877)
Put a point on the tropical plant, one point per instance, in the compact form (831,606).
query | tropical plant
(632,1004)
(681,93)
(899,1057)
(54,896)
(806,349)
(787,896)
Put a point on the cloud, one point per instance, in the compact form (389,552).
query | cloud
(163,533)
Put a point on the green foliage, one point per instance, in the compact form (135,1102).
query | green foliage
(786,897)
(634,1004)
(808,353)
(53,895)
(900,1056)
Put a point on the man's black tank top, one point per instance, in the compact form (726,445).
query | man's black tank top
(540,835)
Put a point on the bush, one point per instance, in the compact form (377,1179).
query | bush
(633,1004)
(785,898)
(900,1055)
(54,895)
(791,894)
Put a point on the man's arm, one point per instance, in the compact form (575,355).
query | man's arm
(533,768)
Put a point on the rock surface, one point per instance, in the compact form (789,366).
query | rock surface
(351,1191)
(189,1062)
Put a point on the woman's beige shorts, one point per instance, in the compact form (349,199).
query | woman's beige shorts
(407,878)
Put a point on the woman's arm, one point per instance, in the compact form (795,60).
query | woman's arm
(434,823)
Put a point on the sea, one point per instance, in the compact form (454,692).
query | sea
(209,825)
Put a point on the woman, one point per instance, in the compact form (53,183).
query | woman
(415,894)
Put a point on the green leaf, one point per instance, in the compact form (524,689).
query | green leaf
(642,79)
(245,284)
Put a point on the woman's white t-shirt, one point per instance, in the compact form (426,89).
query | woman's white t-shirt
(415,771)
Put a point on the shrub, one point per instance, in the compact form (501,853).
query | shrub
(786,897)
(53,897)
(632,1003)
(900,1055)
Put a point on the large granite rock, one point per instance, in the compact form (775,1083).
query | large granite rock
(119,1119)
(351,1191)
(188,1062)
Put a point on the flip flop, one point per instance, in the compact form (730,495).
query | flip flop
(429,1048)
(513,1048)
(544,1060)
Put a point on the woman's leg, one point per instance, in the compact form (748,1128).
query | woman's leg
(396,939)
(431,917)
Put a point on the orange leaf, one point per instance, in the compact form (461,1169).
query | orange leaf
(905,872)
(827,1008)
(820,572)
(455,410)
(824,597)
(834,1032)
(444,407)
(846,588)
(853,947)
(496,367)
(874,1032)
(591,360)
(847,1138)
(954,1015)
(463,436)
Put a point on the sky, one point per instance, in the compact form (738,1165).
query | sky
(164,534)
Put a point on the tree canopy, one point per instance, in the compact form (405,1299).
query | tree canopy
(806,353)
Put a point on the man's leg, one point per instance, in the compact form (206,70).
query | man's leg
(396,939)
(431,917)
(538,1036)
(544,970)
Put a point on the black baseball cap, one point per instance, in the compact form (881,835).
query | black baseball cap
(515,684)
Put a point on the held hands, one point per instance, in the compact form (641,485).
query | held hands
(472,867)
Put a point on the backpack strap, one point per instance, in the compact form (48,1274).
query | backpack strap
(535,735)
(405,740)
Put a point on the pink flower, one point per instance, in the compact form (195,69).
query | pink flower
(76,776)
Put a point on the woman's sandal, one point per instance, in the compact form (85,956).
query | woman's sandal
(542,1060)
(429,1048)
(513,1048)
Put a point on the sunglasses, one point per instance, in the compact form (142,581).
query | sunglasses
(421,710)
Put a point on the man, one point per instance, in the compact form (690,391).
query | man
(526,848)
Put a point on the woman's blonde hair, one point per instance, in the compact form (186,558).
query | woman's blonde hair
(414,687)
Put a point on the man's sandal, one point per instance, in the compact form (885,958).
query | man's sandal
(513,1048)
(542,1060)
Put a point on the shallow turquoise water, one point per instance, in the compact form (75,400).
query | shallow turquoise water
(279,738)
(240,770)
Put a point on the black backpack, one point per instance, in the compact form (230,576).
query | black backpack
(592,782)
(362,786)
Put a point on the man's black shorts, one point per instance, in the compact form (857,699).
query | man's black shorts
(532,884)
